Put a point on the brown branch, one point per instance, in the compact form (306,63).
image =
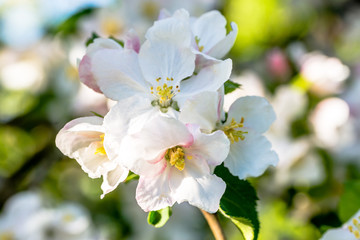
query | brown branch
(214,224)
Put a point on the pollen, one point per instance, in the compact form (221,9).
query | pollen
(176,157)
(232,131)
(101,150)
(164,93)
(355,228)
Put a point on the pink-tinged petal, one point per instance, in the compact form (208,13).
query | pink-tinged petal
(113,178)
(213,148)
(257,112)
(210,78)
(209,28)
(197,186)
(85,67)
(224,46)
(154,193)
(250,157)
(85,74)
(118,74)
(132,41)
(80,139)
(201,109)
(164,59)
(175,29)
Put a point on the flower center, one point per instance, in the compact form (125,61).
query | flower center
(164,93)
(232,131)
(197,40)
(7,235)
(355,228)
(101,150)
(176,157)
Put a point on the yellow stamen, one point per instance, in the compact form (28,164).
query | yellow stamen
(189,157)
(176,157)
(231,132)
(355,228)
(164,93)
(101,150)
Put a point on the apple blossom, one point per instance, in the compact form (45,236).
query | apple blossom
(248,117)
(83,140)
(173,161)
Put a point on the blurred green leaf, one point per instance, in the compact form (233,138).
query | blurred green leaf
(230,86)
(239,204)
(350,200)
(69,26)
(15,103)
(16,147)
(159,218)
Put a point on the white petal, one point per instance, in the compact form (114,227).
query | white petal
(113,178)
(125,117)
(118,74)
(79,139)
(197,186)
(165,60)
(214,147)
(257,112)
(224,46)
(210,29)
(158,135)
(201,109)
(102,43)
(154,193)
(337,234)
(175,29)
(210,78)
(250,157)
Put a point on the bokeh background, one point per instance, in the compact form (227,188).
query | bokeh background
(303,56)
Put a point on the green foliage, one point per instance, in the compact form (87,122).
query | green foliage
(230,86)
(69,26)
(159,218)
(131,176)
(239,204)
(350,201)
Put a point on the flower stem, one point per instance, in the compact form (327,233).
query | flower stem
(214,224)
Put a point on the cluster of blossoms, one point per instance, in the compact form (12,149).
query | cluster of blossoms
(168,124)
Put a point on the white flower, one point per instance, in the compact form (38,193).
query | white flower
(157,71)
(173,161)
(208,36)
(349,231)
(83,140)
(248,118)
(24,218)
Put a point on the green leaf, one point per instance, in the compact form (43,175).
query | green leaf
(239,204)
(160,217)
(230,86)
(350,200)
